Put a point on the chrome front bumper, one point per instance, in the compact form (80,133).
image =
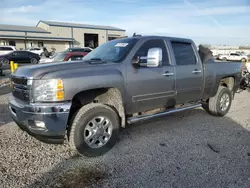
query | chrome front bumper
(29,117)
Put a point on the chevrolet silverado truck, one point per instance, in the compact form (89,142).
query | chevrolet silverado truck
(122,81)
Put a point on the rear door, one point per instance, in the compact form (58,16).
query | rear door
(189,72)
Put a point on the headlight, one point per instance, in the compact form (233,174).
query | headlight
(48,90)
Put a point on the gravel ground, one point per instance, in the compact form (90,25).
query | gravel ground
(188,149)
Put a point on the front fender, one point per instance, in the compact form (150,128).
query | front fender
(93,80)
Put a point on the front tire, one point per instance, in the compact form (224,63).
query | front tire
(224,59)
(94,130)
(220,104)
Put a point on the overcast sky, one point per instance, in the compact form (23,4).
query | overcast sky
(205,21)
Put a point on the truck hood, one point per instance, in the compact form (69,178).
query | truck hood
(38,71)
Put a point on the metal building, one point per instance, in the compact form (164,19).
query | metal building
(58,35)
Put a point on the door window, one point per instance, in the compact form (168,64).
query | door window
(184,53)
(154,43)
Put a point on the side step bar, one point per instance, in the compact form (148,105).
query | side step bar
(146,117)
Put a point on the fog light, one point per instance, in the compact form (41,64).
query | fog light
(40,124)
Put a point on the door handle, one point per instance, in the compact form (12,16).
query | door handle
(168,74)
(196,71)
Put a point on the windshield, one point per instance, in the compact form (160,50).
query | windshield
(113,51)
(60,57)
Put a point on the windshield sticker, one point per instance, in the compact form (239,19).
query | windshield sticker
(121,44)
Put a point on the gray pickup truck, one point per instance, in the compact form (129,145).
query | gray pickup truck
(122,81)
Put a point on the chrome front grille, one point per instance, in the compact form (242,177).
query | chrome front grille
(20,88)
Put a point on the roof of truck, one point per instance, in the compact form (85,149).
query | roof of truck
(165,37)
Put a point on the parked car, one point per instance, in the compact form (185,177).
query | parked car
(234,57)
(6,49)
(121,81)
(36,50)
(21,57)
(64,56)
(78,49)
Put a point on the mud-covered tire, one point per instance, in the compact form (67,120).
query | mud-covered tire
(214,104)
(78,128)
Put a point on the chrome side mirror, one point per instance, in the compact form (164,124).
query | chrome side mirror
(153,59)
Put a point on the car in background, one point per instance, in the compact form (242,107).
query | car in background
(78,49)
(7,49)
(36,50)
(64,56)
(20,57)
(234,57)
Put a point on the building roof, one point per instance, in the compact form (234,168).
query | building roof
(77,25)
(36,38)
(18,28)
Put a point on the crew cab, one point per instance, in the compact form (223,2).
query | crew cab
(122,81)
(234,57)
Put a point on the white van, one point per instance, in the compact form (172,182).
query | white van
(7,49)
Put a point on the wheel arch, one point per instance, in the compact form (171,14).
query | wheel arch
(110,96)
(227,81)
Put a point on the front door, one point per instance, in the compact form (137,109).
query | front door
(151,87)
(189,72)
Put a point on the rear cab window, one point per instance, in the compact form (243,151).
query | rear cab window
(184,53)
